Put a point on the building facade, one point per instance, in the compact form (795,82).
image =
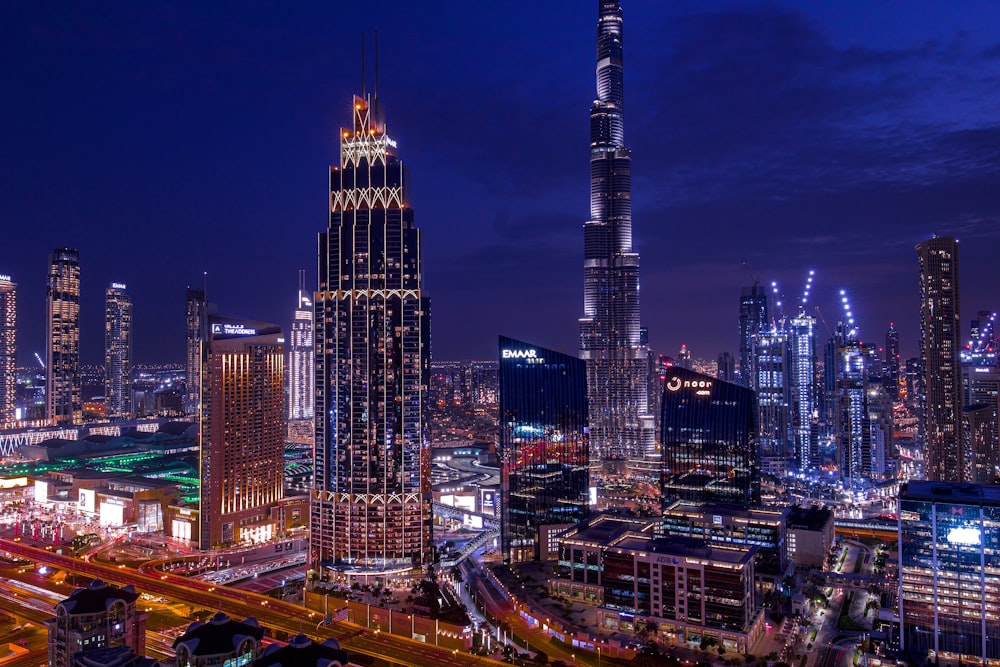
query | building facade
(8,351)
(682,589)
(892,361)
(726,525)
(772,365)
(940,339)
(949,563)
(543,445)
(852,420)
(301,374)
(802,390)
(753,322)
(622,432)
(709,440)
(371,505)
(117,352)
(62,351)
(196,315)
(95,617)
(242,431)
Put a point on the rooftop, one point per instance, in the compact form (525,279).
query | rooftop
(950,492)
(97,597)
(219,636)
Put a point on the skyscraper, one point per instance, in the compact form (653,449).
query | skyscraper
(242,430)
(8,349)
(772,364)
(753,321)
(371,505)
(622,435)
(892,361)
(802,389)
(852,421)
(301,378)
(709,436)
(940,331)
(197,311)
(62,352)
(117,352)
(726,367)
(543,446)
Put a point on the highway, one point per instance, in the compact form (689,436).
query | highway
(272,613)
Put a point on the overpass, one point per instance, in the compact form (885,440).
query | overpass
(470,548)
(277,615)
(887,531)
(459,514)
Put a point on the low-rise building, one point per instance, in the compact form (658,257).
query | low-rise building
(99,616)
(218,641)
(727,526)
(301,651)
(810,536)
(682,588)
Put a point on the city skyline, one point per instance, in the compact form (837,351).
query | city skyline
(808,138)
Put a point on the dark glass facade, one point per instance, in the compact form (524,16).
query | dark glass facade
(543,444)
(709,436)
(949,560)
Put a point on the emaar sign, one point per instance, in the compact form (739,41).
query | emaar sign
(519,354)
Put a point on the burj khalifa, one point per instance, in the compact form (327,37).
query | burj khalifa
(622,442)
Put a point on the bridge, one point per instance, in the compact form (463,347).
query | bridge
(460,514)
(878,528)
(481,540)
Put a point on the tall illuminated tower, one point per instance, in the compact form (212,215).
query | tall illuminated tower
(242,430)
(118,352)
(300,358)
(891,368)
(62,362)
(802,389)
(621,430)
(8,349)
(196,312)
(753,321)
(940,336)
(371,504)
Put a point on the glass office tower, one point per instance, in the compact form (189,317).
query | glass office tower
(949,563)
(543,445)
(709,436)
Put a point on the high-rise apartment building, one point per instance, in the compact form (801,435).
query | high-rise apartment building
(852,421)
(117,352)
(772,365)
(709,440)
(371,505)
(62,352)
(940,337)
(196,314)
(543,446)
(622,432)
(8,350)
(802,389)
(949,564)
(753,322)
(301,372)
(242,431)
(892,361)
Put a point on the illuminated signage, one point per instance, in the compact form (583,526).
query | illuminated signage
(978,370)
(5,278)
(969,536)
(238,329)
(118,286)
(520,354)
(702,387)
(716,519)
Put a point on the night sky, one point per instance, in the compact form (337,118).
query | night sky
(167,139)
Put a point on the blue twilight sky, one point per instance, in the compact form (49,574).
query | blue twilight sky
(164,139)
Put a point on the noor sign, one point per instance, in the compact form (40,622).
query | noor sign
(701,387)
